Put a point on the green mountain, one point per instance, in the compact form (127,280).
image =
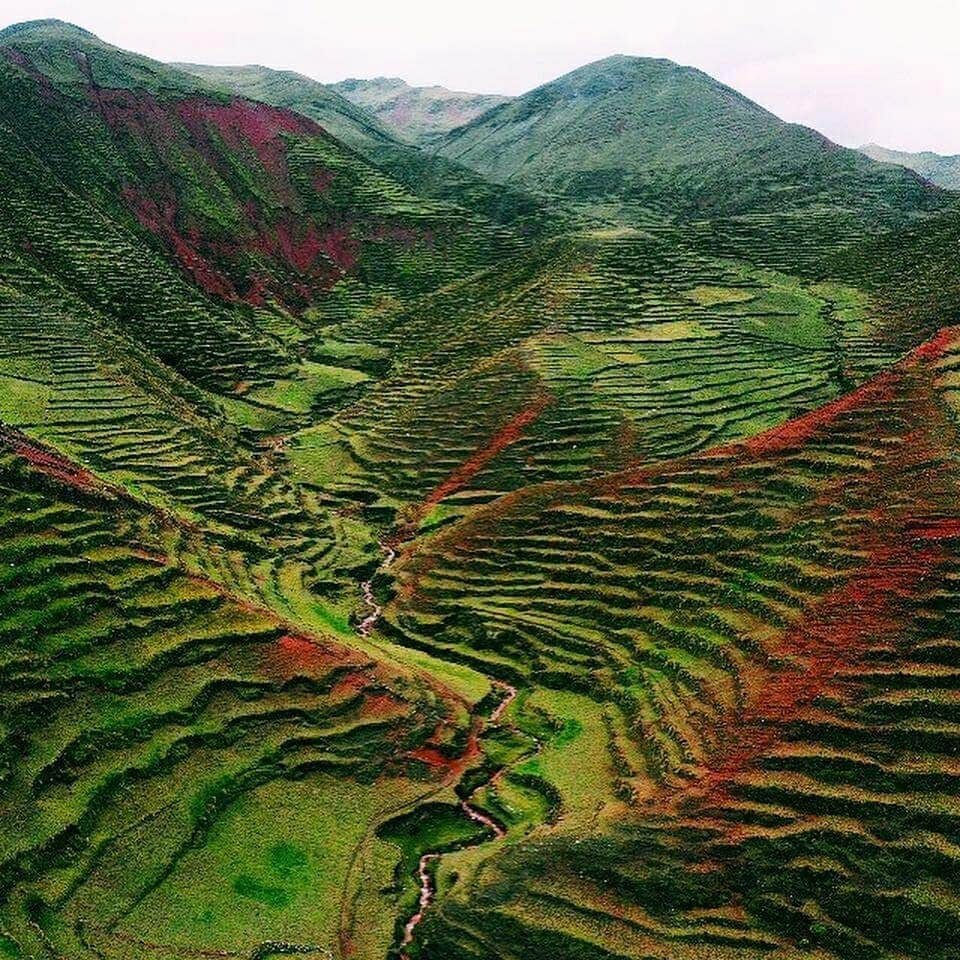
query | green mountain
(672,139)
(416,114)
(944,171)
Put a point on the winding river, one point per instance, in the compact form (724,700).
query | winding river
(427,887)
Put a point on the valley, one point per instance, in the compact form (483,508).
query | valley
(455,527)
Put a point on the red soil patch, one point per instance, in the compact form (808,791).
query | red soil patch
(506,436)
(431,756)
(44,84)
(241,124)
(291,656)
(877,390)
(453,768)
(205,132)
(351,684)
(381,705)
(936,529)
(902,537)
(55,465)
(302,247)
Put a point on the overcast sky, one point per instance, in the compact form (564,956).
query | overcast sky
(858,70)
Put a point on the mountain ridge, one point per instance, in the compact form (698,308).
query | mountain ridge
(668,136)
(938,168)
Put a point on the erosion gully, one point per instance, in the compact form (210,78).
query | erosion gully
(427,886)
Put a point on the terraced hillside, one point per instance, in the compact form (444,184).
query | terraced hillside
(397,564)
(152,721)
(167,252)
(760,640)
(257,206)
(605,348)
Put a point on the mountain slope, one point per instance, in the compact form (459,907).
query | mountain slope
(417,114)
(942,170)
(426,175)
(354,126)
(671,138)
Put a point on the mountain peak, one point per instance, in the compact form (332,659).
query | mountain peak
(416,113)
(42,29)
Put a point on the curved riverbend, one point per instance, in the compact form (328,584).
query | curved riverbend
(427,887)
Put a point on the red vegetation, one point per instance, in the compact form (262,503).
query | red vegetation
(829,639)
(506,436)
(160,218)
(795,432)
(55,465)
(879,389)
(935,347)
(206,133)
(243,126)
(293,655)
(452,768)
(44,84)
(906,506)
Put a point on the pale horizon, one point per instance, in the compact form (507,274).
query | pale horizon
(858,72)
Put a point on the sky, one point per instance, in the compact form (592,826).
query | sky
(857,70)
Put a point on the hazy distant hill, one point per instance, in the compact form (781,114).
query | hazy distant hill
(937,168)
(656,133)
(417,113)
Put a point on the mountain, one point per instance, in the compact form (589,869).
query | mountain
(671,138)
(941,170)
(417,114)
(353,125)
(427,175)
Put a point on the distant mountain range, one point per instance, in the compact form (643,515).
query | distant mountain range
(416,113)
(941,170)
(649,134)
